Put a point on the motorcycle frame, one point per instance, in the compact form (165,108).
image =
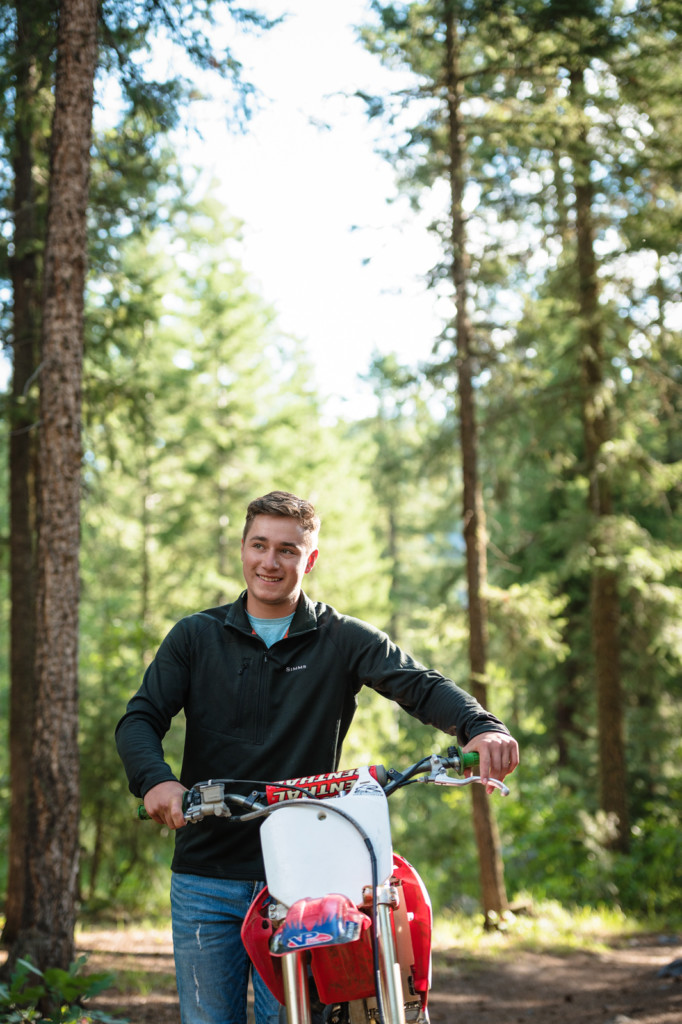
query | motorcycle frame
(400,912)
(401,927)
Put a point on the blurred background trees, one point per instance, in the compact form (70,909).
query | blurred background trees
(561,254)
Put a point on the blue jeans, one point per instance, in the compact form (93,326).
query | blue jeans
(212,967)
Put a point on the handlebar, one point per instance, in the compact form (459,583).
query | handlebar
(210,798)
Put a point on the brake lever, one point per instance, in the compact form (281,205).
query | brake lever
(441,778)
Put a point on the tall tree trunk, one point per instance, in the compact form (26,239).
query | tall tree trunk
(493,893)
(395,620)
(604,598)
(23,416)
(52,851)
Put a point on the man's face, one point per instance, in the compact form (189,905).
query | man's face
(276,555)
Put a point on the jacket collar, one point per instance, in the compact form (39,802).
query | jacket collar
(305,617)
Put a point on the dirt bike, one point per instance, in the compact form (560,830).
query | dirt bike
(342,932)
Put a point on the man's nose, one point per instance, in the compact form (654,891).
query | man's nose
(270,557)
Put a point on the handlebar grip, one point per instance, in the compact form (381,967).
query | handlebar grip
(468,760)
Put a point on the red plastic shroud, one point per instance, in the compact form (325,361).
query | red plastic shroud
(331,784)
(345,972)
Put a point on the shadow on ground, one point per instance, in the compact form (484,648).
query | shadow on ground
(619,986)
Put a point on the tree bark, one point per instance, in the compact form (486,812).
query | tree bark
(52,851)
(22,415)
(493,893)
(605,611)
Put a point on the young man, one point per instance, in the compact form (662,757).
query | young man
(269,687)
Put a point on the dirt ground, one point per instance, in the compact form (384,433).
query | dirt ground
(618,986)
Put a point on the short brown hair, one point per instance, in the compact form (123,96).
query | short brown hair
(281,503)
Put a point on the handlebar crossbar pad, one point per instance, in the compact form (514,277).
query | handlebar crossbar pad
(321,786)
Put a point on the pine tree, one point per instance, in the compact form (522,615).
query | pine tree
(48,911)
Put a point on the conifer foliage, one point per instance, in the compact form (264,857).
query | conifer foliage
(537,454)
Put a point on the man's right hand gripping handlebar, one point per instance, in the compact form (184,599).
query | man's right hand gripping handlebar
(163,804)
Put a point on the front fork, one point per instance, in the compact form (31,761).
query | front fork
(295,975)
(296,993)
(389,969)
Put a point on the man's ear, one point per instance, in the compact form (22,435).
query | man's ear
(312,558)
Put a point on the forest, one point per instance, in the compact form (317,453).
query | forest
(509,512)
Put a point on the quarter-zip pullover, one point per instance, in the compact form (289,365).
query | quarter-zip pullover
(265,714)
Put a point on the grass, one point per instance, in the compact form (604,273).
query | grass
(143,982)
(545,926)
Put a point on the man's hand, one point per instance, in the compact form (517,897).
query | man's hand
(163,803)
(498,755)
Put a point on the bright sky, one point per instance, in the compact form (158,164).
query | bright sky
(301,190)
(326,240)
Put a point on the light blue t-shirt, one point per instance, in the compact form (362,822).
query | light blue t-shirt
(270,630)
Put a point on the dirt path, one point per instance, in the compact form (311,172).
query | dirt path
(586,988)
(618,986)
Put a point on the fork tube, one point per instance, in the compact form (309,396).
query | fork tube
(391,982)
(296,988)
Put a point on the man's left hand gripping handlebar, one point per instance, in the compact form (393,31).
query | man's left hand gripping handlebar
(498,754)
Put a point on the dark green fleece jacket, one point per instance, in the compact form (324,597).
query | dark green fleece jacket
(261,713)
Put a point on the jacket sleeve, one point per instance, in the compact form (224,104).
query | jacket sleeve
(148,716)
(424,693)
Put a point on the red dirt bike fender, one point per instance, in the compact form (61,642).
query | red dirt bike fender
(331,920)
(343,972)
